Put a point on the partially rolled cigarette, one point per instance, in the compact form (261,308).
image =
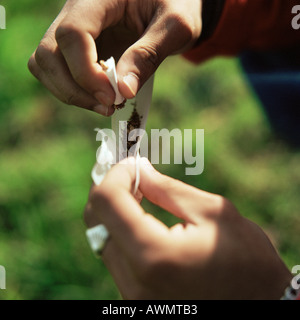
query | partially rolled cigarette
(135,114)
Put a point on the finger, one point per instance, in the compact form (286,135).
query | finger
(184,201)
(48,66)
(167,33)
(76,39)
(114,204)
(115,260)
(41,76)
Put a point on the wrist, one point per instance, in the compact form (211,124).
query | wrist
(211,14)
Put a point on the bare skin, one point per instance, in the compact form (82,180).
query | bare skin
(214,254)
(142,33)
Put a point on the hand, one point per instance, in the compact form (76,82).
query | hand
(142,33)
(214,254)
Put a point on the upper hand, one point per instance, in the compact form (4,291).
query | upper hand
(142,33)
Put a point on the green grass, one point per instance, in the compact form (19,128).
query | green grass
(47,151)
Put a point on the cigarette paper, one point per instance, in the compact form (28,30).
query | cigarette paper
(138,106)
(109,66)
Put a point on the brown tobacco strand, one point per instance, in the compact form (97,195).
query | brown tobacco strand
(103,65)
(120,106)
(133,123)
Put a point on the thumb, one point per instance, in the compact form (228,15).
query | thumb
(167,34)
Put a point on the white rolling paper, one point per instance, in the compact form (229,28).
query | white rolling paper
(139,107)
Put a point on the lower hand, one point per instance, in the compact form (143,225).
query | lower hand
(214,254)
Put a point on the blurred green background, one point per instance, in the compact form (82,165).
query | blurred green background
(47,151)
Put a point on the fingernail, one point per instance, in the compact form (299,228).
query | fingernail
(104,110)
(132,83)
(103,98)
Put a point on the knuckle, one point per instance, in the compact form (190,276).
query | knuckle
(88,213)
(100,196)
(32,66)
(98,199)
(76,96)
(187,31)
(42,55)
(149,56)
(95,202)
(188,28)
(66,35)
(224,208)
(72,99)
